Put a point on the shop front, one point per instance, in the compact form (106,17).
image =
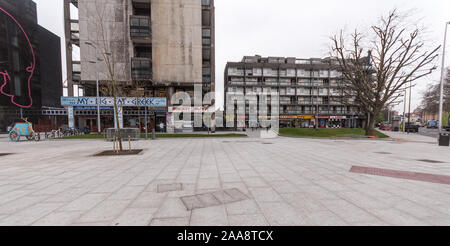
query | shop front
(288,121)
(348,121)
(132,112)
(305,121)
(182,118)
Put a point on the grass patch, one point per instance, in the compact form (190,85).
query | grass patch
(163,135)
(326,133)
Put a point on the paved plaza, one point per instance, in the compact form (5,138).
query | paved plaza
(224,181)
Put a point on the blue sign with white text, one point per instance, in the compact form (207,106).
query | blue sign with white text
(109,101)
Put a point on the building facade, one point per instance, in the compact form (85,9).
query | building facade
(30,63)
(309,90)
(158,47)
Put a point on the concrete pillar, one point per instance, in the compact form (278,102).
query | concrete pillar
(68,48)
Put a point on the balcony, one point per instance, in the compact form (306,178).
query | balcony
(305,102)
(141,69)
(75,32)
(140,28)
(76,71)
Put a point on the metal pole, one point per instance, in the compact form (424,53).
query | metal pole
(441,99)
(409,105)
(389,115)
(146,124)
(404,111)
(99,130)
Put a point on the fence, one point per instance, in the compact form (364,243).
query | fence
(133,133)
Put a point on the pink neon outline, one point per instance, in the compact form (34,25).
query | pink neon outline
(29,69)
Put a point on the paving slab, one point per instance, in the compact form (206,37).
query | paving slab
(290,181)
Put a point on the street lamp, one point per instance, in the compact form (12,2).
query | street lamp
(441,99)
(98,94)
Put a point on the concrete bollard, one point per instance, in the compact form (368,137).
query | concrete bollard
(129,143)
(153,134)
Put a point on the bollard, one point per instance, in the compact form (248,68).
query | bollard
(129,143)
(153,134)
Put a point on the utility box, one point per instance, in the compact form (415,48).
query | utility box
(396,125)
(444,139)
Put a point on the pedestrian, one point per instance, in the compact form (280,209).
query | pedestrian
(161,127)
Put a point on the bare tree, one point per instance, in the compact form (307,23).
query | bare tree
(109,56)
(430,97)
(375,72)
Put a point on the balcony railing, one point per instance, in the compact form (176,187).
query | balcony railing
(141,68)
(140,27)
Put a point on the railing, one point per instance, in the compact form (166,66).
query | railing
(305,102)
(126,133)
(140,27)
(141,68)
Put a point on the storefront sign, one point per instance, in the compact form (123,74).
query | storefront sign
(338,117)
(170,123)
(305,117)
(71,117)
(109,101)
(187,109)
(92,108)
(323,117)
(288,117)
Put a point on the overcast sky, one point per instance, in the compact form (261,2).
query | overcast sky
(293,28)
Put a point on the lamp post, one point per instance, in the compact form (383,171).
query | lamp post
(409,105)
(98,94)
(441,99)
(404,112)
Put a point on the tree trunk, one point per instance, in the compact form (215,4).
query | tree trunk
(119,137)
(370,127)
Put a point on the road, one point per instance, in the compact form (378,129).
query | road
(429,132)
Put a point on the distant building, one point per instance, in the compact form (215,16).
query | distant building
(308,90)
(160,47)
(16,58)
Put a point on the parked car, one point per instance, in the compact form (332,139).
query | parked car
(432,124)
(411,127)
(385,127)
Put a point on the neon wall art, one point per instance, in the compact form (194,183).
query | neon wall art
(30,69)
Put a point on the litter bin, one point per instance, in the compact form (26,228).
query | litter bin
(444,139)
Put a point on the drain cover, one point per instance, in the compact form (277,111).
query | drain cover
(169,187)
(430,161)
(213,199)
(383,153)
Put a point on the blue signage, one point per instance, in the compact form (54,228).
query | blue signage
(109,101)
(92,107)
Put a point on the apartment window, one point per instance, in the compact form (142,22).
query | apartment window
(206,17)
(206,55)
(141,69)
(206,33)
(141,9)
(16,60)
(140,26)
(143,51)
(206,74)
(17,86)
(206,41)
(206,2)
